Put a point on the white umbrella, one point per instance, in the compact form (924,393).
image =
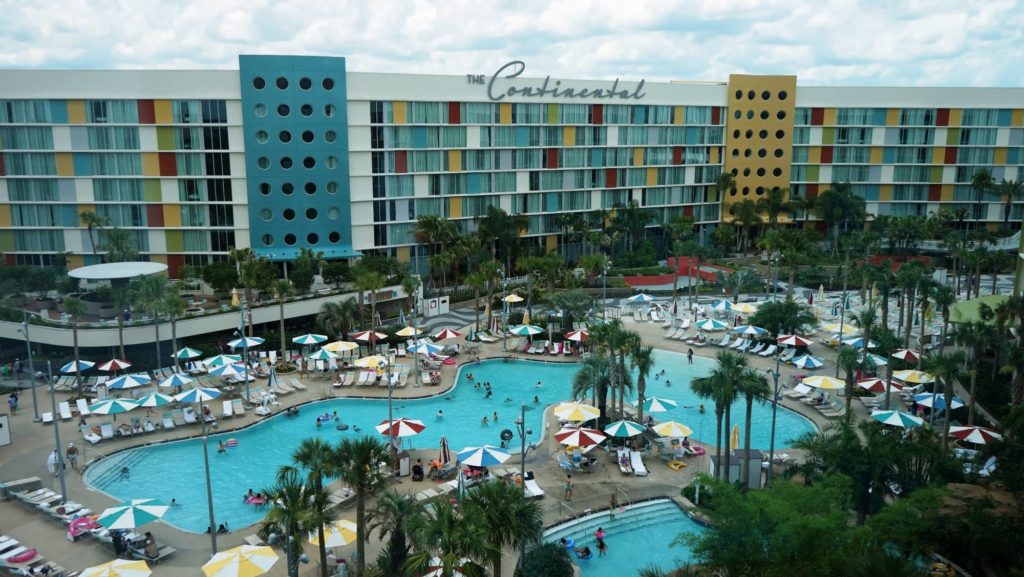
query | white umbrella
(133,514)
(657,404)
(641,298)
(309,339)
(722,305)
(400,427)
(77,365)
(127,381)
(219,360)
(323,354)
(176,380)
(808,362)
(188,353)
(485,456)
(245,342)
(155,400)
(113,406)
(336,534)
(197,395)
(228,371)
(114,365)
(525,330)
(711,325)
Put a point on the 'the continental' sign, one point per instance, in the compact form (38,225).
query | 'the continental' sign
(500,87)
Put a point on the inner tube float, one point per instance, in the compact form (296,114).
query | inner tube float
(448,361)
(581,556)
(255,500)
(570,543)
(696,450)
(341,427)
(80,525)
(232,443)
(22,557)
(506,435)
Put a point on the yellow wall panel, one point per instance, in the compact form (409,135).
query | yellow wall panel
(162,111)
(75,261)
(150,164)
(677,115)
(955,116)
(5,216)
(172,215)
(1000,156)
(569,136)
(455,160)
(638,156)
(652,177)
(76,112)
(716,154)
(938,155)
(830,117)
(1017,117)
(814,155)
(885,193)
(402,253)
(399,108)
(455,207)
(947,193)
(551,242)
(65,164)
(160,258)
(892,117)
(876,155)
(505,113)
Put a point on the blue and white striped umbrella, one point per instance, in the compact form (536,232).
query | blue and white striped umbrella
(246,342)
(859,343)
(897,419)
(641,298)
(81,366)
(309,339)
(624,429)
(127,381)
(222,360)
(721,305)
(228,371)
(749,330)
(155,400)
(135,513)
(711,325)
(425,348)
(939,401)
(525,330)
(197,394)
(176,380)
(323,355)
(113,406)
(874,359)
(188,353)
(808,362)
(486,456)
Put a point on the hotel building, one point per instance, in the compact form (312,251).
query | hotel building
(289,152)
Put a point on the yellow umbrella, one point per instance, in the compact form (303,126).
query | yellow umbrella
(912,376)
(846,328)
(118,568)
(487,310)
(242,561)
(734,439)
(407,332)
(823,382)
(874,291)
(526,318)
(513,299)
(234,297)
(340,346)
(336,534)
(672,429)
(745,308)
(576,411)
(371,362)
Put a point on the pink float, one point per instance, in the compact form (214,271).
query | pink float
(22,557)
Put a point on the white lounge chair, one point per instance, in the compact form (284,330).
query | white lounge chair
(798,391)
(89,435)
(686,323)
(65,411)
(227,409)
(623,458)
(107,430)
(757,348)
(83,407)
(787,355)
(743,346)
(189,414)
(47,418)
(167,421)
(636,461)
(724,342)
(238,407)
(768,351)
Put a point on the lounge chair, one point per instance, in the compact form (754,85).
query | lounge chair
(685,324)
(89,435)
(756,348)
(167,421)
(65,411)
(486,338)
(788,355)
(636,460)
(364,378)
(566,349)
(296,384)
(531,487)
(226,409)
(238,407)
(83,407)
(624,460)
(107,430)
(724,342)
(798,391)
(189,414)
(743,346)
(768,351)
(47,418)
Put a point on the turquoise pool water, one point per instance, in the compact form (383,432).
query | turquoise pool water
(175,470)
(637,537)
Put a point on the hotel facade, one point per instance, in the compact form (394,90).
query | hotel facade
(292,152)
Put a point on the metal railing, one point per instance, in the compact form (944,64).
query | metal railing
(562,504)
(625,495)
(85,455)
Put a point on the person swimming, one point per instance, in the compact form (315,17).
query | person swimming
(536,400)
(484,421)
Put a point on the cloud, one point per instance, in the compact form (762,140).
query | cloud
(848,42)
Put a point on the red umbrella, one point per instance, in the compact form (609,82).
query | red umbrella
(793,341)
(906,355)
(447,334)
(976,435)
(876,385)
(400,427)
(577,336)
(580,437)
(446,456)
(368,336)
(114,365)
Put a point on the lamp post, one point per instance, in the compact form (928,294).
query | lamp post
(291,561)
(23,329)
(775,409)
(523,432)
(56,435)
(245,346)
(604,289)
(391,419)
(504,309)
(842,317)
(206,472)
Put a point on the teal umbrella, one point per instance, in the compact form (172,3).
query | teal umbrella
(323,355)
(246,342)
(460,486)
(897,419)
(659,405)
(155,400)
(623,429)
(127,381)
(711,325)
(197,395)
(309,339)
(135,513)
(113,406)
(222,360)
(187,353)
(176,380)
(228,371)
(525,330)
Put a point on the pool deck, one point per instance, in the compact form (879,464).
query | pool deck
(32,442)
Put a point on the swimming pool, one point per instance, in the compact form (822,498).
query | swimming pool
(638,536)
(175,470)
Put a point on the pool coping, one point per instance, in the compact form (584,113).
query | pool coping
(684,505)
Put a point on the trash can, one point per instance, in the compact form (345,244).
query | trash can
(404,464)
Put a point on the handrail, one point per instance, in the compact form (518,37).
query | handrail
(624,494)
(87,450)
(568,508)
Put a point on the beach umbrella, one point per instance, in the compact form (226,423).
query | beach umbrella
(188,353)
(513,298)
(400,427)
(197,395)
(371,362)
(581,437)
(446,455)
(118,568)
(426,348)
(113,406)
(845,328)
(711,325)
(234,371)
(875,385)
(526,317)
(436,568)
(873,359)
(860,343)
(155,400)
(658,405)
(808,362)
(641,298)
(241,561)
(74,366)
(340,346)
(114,365)
(219,360)
(525,330)
(672,429)
(336,534)
(401,316)
(176,380)
(906,355)
(578,336)
(897,419)
(823,382)
(912,376)
(974,434)
(407,332)
(576,411)
(234,297)
(487,310)
(323,355)
(749,330)
(309,339)
(127,381)
(821,293)
(793,341)
(245,342)
(722,305)
(460,486)
(368,336)
(734,438)
(446,334)
(623,429)
(745,308)
(486,456)
(132,514)
(931,400)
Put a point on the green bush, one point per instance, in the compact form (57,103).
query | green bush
(547,560)
(641,271)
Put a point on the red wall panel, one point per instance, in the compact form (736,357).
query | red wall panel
(598,113)
(812,191)
(817,116)
(552,158)
(677,155)
(401,162)
(454,116)
(826,155)
(934,192)
(610,180)
(3,171)
(168,166)
(147,114)
(942,117)
(174,264)
(716,115)
(154,215)
(950,155)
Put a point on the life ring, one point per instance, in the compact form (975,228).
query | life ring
(448,361)
(506,435)
(676,465)
(696,451)
(584,557)
(255,500)
(80,525)
(22,557)
(232,443)
(341,427)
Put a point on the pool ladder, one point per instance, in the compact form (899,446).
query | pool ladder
(628,502)
(572,511)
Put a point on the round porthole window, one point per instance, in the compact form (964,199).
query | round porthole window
(268,240)
(288,214)
(330,136)
(333,213)
(262,137)
(286,162)
(306,110)
(283,110)
(328,84)
(264,188)
(310,188)
(289,239)
(311,214)
(331,162)
(307,136)
(259,110)
(259,83)
(263,162)
(266,214)
(309,162)
(312,238)
(287,188)
(334,237)
(332,188)
(329,110)
(284,136)
(282,83)
(305,83)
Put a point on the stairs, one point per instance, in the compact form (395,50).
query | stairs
(106,471)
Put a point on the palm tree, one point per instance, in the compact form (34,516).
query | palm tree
(91,221)
(720,387)
(925,291)
(339,318)
(478,280)
(119,244)
(281,288)
(174,306)
(946,369)
(944,298)
(291,511)
(453,535)
(752,385)
(723,184)
(738,282)
(642,360)
(316,457)
(358,463)
(849,360)
(122,301)
(975,335)
(981,182)
(839,205)
(594,378)
(148,293)
(745,213)
(74,307)
(389,517)
(773,203)
(1011,191)
(512,519)
(907,279)
(251,273)
(373,282)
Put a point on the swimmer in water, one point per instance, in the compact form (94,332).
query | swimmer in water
(536,400)
(484,421)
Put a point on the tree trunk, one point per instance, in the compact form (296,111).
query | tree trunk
(719,414)
(361,533)
(908,304)
(156,329)
(974,384)
(745,464)
(956,277)
(885,306)
(78,371)
(248,303)
(476,306)
(920,338)
(977,279)
(641,388)
(947,419)
(174,340)
(728,446)
(120,333)
(284,345)
(792,279)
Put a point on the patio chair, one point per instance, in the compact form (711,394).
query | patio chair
(724,342)
(787,355)
(768,351)
(757,348)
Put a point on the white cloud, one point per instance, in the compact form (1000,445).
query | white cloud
(858,42)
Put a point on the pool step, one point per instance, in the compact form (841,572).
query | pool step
(109,470)
(635,516)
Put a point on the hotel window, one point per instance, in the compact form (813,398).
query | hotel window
(428,112)
(697,115)
(26,138)
(528,159)
(802,117)
(802,135)
(218,190)
(476,159)
(853,136)
(553,136)
(122,214)
(186,138)
(222,240)
(504,182)
(573,113)
(965,155)
(393,136)
(478,113)
(913,155)
(195,240)
(214,112)
(659,115)
(911,174)
(378,186)
(189,190)
(217,164)
(377,137)
(850,155)
(186,112)
(399,186)
(966,174)
(28,164)
(979,117)
(855,116)
(504,136)
(614,198)
(117,190)
(376,112)
(977,136)
(25,112)
(113,137)
(189,164)
(916,136)
(38,240)
(431,207)
(656,156)
(529,113)
(113,164)
(850,173)
(425,161)
(215,138)
(799,154)
(910,192)
(35,214)
(377,163)
(222,215)
(453,137)
(917,117)
(401,233)
(32,190)
(112,112)
(616,114)
(798,174)
(193,215)
(573,158)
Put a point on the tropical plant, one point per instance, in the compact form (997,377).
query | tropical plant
(839,205)
(946,369)
(981,183)
(735,284)
(594,378)
(358,463)
(745,214)
(720,387)
(848,359)
(282,288)
(75,308)
(975,336)
(291,512)
(456,536)
(91,221)
(254,272)
(148,294)
(1012,191)
(174,306)
(339,318)
(315,458)
(574,304)
(221,276)
(751,385)
(784,317)
(122,300)
(642,360)
(773,203)
(304,269)
(119,245)
(388,517)
(372,282)
(547,560)
(512,519)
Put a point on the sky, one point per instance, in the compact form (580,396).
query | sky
(840,42)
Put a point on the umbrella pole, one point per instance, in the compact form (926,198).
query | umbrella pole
(206,470)
(56,435)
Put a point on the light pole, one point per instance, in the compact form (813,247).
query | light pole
(56,435)
(842,316)
(604,289)
(206,471)
(391,419)
(245,347)
(504,309)
(523,432)
(23,329)
(292,562)
(775,409)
